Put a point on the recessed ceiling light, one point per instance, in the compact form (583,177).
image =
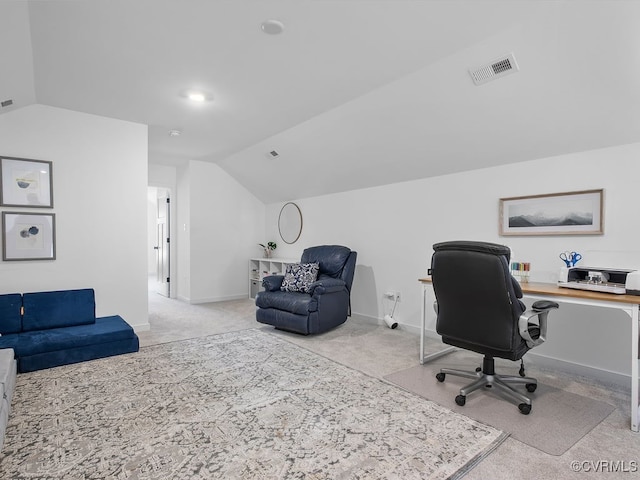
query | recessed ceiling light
(197,96)
(272,27)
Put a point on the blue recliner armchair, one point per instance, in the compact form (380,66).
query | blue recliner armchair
(322,305)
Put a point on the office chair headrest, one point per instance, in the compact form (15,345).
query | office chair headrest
(482,247)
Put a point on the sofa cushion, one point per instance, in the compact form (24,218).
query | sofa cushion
(105,329)
(68,356)
(10,305)
(7,373)
(63,308)
(298,277)
(4,419)
(293,302)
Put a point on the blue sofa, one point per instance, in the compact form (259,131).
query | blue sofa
(49,329)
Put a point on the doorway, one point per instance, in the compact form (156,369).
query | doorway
(159,232)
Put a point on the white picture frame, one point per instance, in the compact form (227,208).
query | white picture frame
(567,213)
(26,183)
(28,236)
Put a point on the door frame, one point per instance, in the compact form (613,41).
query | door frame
(172,235)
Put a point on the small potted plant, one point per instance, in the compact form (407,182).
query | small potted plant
(268,248)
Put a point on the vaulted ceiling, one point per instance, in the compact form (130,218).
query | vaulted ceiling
(352,93)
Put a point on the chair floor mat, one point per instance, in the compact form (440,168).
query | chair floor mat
(558,418)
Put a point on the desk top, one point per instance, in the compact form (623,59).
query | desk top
(551,289)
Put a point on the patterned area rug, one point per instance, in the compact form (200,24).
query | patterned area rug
(242,405)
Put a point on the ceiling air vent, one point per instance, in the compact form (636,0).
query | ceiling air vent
(272,154)
(6,103)
(498,68)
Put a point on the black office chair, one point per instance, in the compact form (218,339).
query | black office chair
(479,309)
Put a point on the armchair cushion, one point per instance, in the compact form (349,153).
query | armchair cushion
(293,302)
(331,258)
(272,283)
(299,277)
(326,285)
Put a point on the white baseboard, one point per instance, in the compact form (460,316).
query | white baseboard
(143,327)
(197,301)
(607,377)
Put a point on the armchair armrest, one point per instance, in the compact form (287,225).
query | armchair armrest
(272,282)
(327,285)
(535,321)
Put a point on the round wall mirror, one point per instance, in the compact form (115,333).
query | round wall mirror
(290,222)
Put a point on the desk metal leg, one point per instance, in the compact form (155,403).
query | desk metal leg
(435,355)
(428,358)
(635,337)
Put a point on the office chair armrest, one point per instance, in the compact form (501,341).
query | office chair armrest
(535,321)
(272,283)
(544,305)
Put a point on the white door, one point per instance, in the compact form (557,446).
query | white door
(163,285)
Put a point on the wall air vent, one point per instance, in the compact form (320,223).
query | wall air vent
(6,103)
(498,68)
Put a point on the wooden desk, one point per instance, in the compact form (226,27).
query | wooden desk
(630,304)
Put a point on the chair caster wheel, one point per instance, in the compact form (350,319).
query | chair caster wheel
(440,376)
(478,369)
(531,387)
(461,400)
(524,408)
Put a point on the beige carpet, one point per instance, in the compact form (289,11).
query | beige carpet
(558,419)
(240,405)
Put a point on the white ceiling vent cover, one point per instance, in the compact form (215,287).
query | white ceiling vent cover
(498,68)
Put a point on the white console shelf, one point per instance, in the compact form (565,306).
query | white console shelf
(263,267)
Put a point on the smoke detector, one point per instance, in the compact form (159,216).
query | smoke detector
(272,27)
(499,67)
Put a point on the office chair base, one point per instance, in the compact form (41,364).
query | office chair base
(491,380)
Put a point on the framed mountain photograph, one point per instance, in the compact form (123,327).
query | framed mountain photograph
(569,213)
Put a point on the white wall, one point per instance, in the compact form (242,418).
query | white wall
(100,202)
(393,228)
(183,234)
(221,224)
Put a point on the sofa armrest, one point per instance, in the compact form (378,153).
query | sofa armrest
(327,285)
(272,283)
